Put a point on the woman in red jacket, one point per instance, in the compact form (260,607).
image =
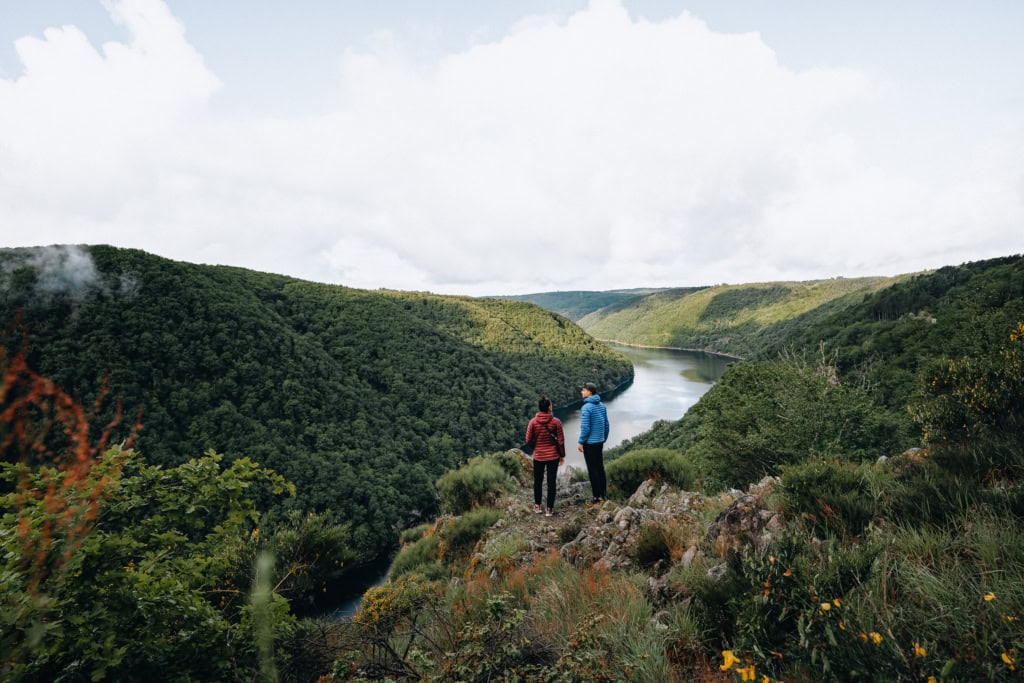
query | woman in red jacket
(544,435)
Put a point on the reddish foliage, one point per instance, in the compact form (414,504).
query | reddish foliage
(57,482)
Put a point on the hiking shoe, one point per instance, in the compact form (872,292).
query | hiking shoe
(549,512)
(594,502)
(536,508)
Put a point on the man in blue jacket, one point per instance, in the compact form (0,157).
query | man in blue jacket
(593,434)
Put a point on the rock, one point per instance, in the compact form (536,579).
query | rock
(658,591)
(662,620)
(718,572)
(746,521)
(624,517)
(689,556)
(642,495)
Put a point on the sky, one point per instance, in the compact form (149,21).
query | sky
(484,148)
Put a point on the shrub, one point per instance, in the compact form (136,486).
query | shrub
(477,484)
(629,471)
(516,464)
(971,411)
(653,546)
(786,605)
(461,533)
(763,415)
(833,496)
(505,549)
(413,534)
(570,530)
(414,555)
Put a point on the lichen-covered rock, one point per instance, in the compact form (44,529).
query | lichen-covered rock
(747,521)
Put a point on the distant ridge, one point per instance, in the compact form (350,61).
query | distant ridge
(574,305)
(737,320)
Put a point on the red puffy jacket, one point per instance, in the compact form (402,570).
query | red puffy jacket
(545,434)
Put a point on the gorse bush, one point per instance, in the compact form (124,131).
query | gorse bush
(476,484)
(626,473)
(972,411)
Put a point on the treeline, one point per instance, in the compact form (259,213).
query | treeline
(362,399)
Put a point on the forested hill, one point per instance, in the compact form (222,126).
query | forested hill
(575,305)
(884,341)
(853,382)
(361,398)
(733,319)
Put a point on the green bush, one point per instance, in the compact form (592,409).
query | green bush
(460,534)
(476,484)
(835,497)
(763,415)
(629,471)
(413,534)
(971,411)
(415,555)
(787,603)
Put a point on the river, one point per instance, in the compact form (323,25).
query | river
(665,384)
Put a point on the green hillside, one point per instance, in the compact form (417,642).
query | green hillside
(874,354)
(360,398)
(884,341)
(733,319)
(577,304)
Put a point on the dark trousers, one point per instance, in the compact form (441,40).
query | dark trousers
(539,468)
(593,453)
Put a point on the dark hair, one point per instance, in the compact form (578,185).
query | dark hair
(590,386)
(544,404)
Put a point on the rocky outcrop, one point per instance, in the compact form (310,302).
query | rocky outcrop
(747,521)
(614,538)
(619,537)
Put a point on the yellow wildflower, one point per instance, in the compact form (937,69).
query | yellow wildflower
(876,637)
(746,673)
(729,659)
(919,651)
(837,603)
(842,626)
(931,679)
(765,679)
(826,606)
(990,596)
(1008,661)
(862,635)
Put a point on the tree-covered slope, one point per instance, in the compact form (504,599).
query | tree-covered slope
(575,305)
(850,381)
(361,398)
(733,319)
(888,337)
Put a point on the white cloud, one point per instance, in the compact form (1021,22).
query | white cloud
(595,152)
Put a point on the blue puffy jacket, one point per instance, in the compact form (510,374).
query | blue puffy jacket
(593,421)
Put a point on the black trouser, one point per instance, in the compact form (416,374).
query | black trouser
(593,453)
(538,478)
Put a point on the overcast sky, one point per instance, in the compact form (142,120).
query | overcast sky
(472,147)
